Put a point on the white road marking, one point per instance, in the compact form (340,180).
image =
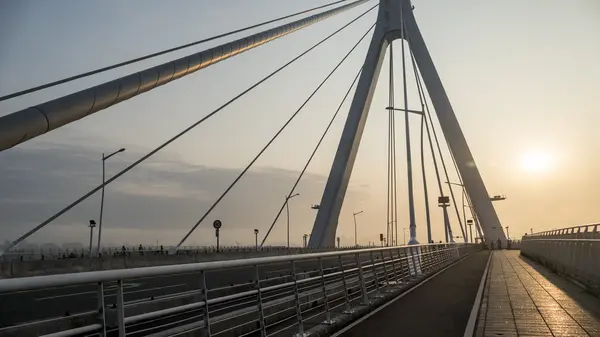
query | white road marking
(95,292)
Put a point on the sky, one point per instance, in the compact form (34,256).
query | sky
(522,79)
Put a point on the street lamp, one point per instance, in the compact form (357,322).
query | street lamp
(444,202)
(463,194)
(355,238)
(104,158)
(287,209)
(470,224)
(507,235)
(256,238)
(91,225)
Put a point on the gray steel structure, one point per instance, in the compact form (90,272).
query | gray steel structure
(393,15)
(31,122)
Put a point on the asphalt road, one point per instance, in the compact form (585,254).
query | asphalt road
(41,304)
(440,307)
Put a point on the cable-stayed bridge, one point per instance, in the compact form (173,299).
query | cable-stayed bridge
(324,289)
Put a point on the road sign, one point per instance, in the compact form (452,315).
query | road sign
(217,224)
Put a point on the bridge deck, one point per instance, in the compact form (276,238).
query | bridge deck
(522,298)
(439,307)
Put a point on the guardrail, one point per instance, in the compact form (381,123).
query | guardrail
(316,291)
(573,252)
(60,254)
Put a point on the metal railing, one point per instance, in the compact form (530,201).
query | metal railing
(268,296)
(76,253)
(573,252)
(589,231)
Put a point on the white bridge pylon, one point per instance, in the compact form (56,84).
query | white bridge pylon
(396,20)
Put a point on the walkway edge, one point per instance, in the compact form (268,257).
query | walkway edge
(470,329)
(390,302)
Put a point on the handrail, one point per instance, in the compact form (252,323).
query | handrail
(559,230)
(47,281)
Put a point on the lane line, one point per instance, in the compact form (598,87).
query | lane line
(393,300)
(470,329)
(107,294)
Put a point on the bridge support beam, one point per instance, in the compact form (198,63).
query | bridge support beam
(392,15)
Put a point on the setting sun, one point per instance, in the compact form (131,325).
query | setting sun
(537,161)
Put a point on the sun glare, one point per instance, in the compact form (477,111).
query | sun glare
(537,162)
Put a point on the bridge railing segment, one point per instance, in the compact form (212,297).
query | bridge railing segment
(272,295)
(573,252)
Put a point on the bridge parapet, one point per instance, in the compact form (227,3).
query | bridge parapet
(573,252)
(316,292)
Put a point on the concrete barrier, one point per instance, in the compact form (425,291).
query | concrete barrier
(575,259)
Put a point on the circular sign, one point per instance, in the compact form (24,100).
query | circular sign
(217,224)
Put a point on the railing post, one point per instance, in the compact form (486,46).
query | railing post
(348,310)
(393,266)
(361,277)
(378,293)
(120,309)
(101,309)
(204,297)
(298,305)
(261,313)
(328,319)
(385,271)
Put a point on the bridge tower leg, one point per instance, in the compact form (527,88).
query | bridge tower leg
(392,15)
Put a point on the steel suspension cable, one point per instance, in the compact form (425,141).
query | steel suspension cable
(292,190)
(162,52)
(163,145)
(31,122)
(210,209)
(420,85)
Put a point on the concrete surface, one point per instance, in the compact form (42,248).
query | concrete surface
(440,307)
(522,298)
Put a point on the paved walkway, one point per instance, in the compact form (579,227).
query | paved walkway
(522,298)
(440,307)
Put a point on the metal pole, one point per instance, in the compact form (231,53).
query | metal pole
(355,241)
(411,200)
(91,236)
(101,203)
(287,211)
(463,209)
(471,232)
(446,225)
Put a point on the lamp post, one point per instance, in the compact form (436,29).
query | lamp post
(104,158)
(287,210)
(256,238)
(470,224)
(91,225)
(507,235)
(404,235)
(444,202)
(355,237)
